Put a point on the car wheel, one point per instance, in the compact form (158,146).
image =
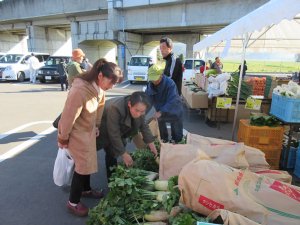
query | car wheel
(42,80)
(21,76)
(131,82)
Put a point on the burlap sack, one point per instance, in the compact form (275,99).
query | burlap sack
(221,151)
(230,218)
(174,157)
(138,139)
(206,185)
(153,125)
(254,157)
(280,175)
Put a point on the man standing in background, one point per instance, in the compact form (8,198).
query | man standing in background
(34,64)
(217,65)
(73,67)
(173,68)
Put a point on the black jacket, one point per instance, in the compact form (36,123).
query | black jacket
(177,72)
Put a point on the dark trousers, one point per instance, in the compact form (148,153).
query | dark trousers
(176,127)
(79,184)
(110,161)
(63,81)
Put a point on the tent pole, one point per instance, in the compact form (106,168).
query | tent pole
(245,42)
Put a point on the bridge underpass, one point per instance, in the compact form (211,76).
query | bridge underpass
(116,29)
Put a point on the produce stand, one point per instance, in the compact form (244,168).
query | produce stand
(227,115)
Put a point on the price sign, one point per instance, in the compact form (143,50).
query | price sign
(224,103)
(252,103)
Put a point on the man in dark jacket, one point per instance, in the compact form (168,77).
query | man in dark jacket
(173,67)
(61,67)
(123,118)
(167,103)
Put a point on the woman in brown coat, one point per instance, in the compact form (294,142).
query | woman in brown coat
(78,128)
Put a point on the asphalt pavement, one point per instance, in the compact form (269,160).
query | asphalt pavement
(28,148)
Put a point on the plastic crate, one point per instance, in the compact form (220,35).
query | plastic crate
(291,157)
(260,136)
(286,109)
(267,139)
(297,164)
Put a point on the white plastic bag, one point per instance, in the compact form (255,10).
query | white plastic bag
(63,167)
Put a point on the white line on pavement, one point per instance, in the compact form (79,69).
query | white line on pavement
(126,86)
(20,148)
(21,128)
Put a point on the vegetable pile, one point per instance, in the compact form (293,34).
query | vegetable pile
(233,84)
(291,90)
(269,121)
(135,197)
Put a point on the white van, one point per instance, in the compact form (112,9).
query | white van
(191,67)
(14,66)
(138,68)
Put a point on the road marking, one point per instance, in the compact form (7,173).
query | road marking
(22,147)
(126,86)
(21,128)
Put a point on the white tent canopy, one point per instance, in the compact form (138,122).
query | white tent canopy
(258,24)
(267,26)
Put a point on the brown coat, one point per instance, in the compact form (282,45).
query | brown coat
(77,127)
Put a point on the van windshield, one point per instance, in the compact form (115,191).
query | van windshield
(11,58)
(139,61)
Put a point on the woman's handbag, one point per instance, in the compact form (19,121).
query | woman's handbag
(63,167)
(55,122)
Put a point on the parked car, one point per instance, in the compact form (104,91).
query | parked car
(14,66)
(49,72)
(138,68)
(191,67)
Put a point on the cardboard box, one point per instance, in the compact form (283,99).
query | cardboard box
(197,100)
(227,115)
(185,87)
(203,82)
(220,115)
(197,78)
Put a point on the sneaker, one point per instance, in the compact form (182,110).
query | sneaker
(78,210)
(93,194)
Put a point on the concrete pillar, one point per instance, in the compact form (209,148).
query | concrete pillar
(59,42)
(13,43)
(189,50)
(74,33)
(121,56)
(37,39)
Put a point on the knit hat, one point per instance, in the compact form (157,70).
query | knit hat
(77,53)
(154,72)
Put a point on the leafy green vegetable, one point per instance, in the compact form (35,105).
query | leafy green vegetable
(233,84)
(187,218)
(127,201)
(144,159)
(171,199)
(270,121)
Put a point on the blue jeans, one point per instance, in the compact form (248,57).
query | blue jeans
(176,127)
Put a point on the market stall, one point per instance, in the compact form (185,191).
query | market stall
(272,22)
